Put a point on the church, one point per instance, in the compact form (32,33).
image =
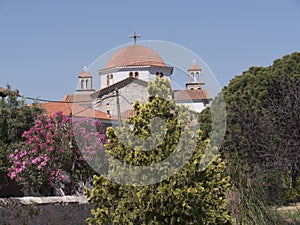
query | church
(123,81)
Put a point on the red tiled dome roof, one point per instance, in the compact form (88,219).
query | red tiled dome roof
(135,56)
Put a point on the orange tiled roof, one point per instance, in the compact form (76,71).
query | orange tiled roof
(71,109)
(80,98)
(194,67)
(191,95)
(84,74)
(135,56)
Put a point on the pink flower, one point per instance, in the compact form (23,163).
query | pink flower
(36,160)
(12,175)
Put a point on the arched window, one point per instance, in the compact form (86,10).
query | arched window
(82,84)
(161,74)
(197,76)
(86,83)
(131,74)
(193,77)
(136,74)
(157,73)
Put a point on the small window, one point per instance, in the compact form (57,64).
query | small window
(157,73)
(136,74)
(131,74)
(107,80)
(161,74)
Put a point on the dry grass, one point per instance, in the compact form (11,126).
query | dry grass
(291,214)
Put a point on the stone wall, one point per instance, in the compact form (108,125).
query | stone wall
(44,210)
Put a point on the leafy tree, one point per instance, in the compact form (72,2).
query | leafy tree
(15,117)
(135,196)
(263,126)
(51,156)
(261,145)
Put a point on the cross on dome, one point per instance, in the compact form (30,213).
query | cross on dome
(135,36)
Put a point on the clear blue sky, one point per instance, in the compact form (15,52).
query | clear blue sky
(45,44)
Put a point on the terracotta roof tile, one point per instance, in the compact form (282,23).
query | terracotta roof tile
(80,98)
(191,95)
(194,67)
(84,74)
(134,56)
(70,109)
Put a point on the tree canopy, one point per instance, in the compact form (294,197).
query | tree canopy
(262,139)
(188,196)
(15,117)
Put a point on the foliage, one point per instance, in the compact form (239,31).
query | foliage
(15,117)
(190,196)
(261,145)
(204,119)
(51,157)
(263,123)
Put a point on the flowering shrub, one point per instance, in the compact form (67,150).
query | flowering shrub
(53,156)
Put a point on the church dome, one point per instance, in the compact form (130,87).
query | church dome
(135,56)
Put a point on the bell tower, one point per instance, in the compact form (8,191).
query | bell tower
(194,73)
(85,81)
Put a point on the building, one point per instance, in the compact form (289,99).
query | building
(123,81)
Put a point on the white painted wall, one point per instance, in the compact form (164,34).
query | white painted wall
(144,74)
(195,106)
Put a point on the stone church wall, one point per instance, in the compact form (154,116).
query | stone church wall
(44,211)
(128,95)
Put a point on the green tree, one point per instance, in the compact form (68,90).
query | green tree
(189,196)
(261,145)
(263,106)
(15,118)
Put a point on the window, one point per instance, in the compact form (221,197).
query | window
(160,74)
(193,77)
(197,76)
(107,81)
(82,84)
(131,74)
(136,74)
(86,84)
